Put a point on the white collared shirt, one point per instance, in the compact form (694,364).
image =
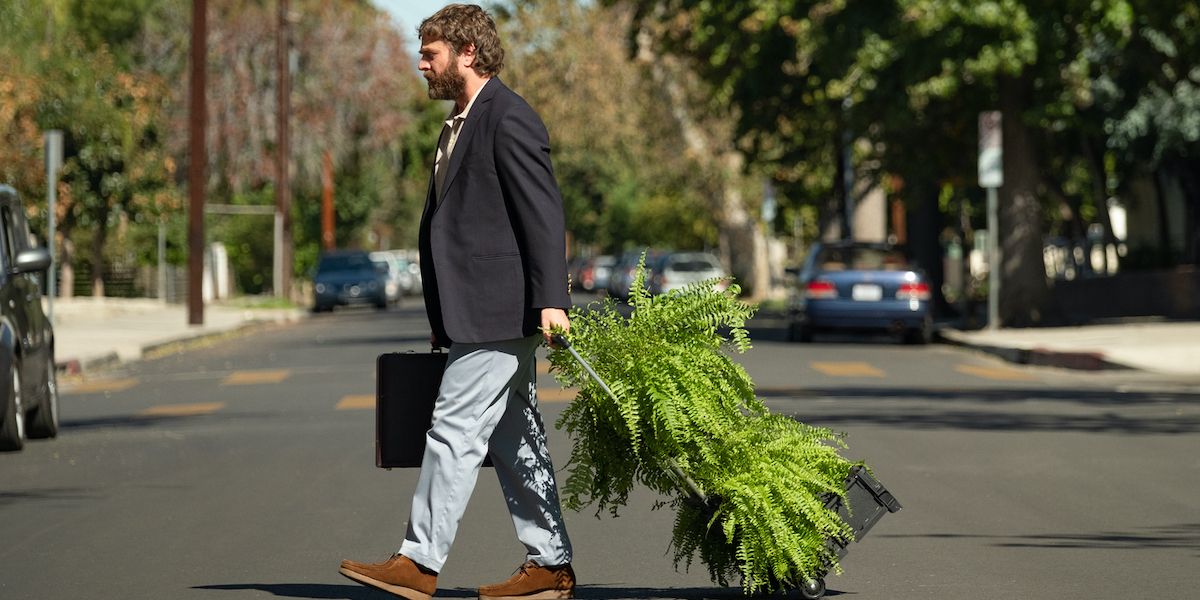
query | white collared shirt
(446,143)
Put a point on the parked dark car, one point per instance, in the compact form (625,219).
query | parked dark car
(620,278)
(855,286)
(594,273)
(346,277)
(28,389)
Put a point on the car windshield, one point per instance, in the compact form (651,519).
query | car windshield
(860,258)
(346,262)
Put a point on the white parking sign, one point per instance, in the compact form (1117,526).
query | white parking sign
(991,150)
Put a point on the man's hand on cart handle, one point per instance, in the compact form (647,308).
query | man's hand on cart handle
(559,340)
(554,320)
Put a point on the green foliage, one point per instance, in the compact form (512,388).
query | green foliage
(683,409)
(112,23)
(623,175)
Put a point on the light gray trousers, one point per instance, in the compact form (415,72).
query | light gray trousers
(487,405)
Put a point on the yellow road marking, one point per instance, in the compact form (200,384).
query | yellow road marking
(356,402)
(256,377)
(556,394)
(102,385)
(847,369)
(183,410)
(996,373)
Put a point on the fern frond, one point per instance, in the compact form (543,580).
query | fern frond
(679,398)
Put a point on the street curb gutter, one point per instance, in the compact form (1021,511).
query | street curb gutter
(1041,357)
(74,366)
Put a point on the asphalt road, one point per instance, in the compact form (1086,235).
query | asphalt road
(245,470)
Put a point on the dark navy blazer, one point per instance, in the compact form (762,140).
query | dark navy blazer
(493,250)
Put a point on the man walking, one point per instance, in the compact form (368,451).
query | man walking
(495,284)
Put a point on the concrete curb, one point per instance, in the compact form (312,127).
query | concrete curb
(163,347)
(1041,357)
(75,366)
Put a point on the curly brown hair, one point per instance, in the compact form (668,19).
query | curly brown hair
(461,25)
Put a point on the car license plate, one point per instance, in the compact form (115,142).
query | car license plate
(867,293)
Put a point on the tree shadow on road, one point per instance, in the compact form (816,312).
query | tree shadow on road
(987,396)
(1184,536)
(305,590)
(323,591)
(45,494)
(1081,411)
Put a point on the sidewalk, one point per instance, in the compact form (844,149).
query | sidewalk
(93,333)
(1155,346)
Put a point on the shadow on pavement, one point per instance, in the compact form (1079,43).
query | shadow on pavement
(374,340)
(993,395)
(1185,537)
(1124,412)
(583,592)
(45,494)
(304,590)
(631,593)
(137,421)
(127,421)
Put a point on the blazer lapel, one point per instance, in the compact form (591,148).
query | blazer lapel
(468,132)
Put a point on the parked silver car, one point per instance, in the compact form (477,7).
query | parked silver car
(676,270)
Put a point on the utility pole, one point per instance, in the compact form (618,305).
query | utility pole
(197,162)
(283,192)
(328,240)
(54,159)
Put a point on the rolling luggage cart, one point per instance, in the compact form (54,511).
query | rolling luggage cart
(865,503)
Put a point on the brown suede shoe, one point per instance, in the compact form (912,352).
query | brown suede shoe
(533,582)
(397,575)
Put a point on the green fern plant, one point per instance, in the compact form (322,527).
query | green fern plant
(748,486)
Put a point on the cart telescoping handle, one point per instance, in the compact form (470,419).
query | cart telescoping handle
(682,478)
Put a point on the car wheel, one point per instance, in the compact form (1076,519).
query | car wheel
(44,423)
(799,332)
(921,335)
(12,415)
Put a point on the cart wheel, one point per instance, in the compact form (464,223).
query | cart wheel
(813,589)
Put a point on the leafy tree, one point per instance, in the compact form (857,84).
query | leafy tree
(910,76)
(355,95)
(618,153)
(114,158)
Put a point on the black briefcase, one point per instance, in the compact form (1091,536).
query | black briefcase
(406,387)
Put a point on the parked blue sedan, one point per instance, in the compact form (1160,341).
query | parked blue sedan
(856,286)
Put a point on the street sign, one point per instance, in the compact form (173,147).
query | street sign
(991,150)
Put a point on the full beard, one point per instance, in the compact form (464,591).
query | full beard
(447,86)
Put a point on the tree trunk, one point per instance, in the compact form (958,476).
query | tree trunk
(1024,295)
(66,262)
(1187,170)
(1094,155)
(742,240)
(924,240)
(98,239)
